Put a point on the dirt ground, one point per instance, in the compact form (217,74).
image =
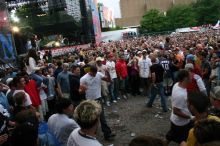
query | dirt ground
(130,118)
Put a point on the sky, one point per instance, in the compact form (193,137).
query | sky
(114,4)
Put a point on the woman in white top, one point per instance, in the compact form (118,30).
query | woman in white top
(32,67)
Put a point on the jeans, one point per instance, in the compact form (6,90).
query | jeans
(145,83)
(113,89)
(39,79)
(207,86)
(158,87)
(135,82)
(175,76)
(104,126)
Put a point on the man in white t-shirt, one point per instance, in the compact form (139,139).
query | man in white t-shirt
(180,116)
(90,83)
(87,115)
(61,124)
(144,70)
(20,84)
(104,85)
(112,71)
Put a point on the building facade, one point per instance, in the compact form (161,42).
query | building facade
(13,5)
(106,15)
(132,11)
(73,9)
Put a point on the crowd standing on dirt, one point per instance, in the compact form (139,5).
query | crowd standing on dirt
(60,101)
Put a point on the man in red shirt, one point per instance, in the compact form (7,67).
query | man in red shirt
(191,59)
(196,83)
(31,89)
(121,70)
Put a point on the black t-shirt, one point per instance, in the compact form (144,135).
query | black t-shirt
(206,65)
(159,71)
(74,86)
(166,64)
(174,68)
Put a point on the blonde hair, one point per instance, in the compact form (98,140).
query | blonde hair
(87,113)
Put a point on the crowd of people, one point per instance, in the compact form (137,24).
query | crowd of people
(60,101)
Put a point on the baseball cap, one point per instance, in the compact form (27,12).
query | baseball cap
(189,66)
(215,93)
(99,59)
(191,49)
(210,48)
(144,51)
(9,80)
(190,57)
(139,52)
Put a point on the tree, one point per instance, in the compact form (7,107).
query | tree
(181,16)
(29,14)
(207,11)
(153,21)
(196,14)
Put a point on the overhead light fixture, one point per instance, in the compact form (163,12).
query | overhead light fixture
(15,29)
(57,44)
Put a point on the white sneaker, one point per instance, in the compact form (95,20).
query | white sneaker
(118,98)
(114,101)
(108,103)
(124,96)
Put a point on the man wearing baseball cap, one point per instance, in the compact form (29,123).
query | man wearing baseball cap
(191,59)
(215,101)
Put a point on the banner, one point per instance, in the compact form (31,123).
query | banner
(7,48)
(65,50)
(217,26)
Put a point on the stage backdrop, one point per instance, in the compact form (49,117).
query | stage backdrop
(7,49)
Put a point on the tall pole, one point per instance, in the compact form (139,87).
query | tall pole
(85,22)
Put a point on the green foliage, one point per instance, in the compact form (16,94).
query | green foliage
(153,20)
(181,16)
(195,14)
(207,11)
(28,15)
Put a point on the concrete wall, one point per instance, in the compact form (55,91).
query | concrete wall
(133,10)
(129,21)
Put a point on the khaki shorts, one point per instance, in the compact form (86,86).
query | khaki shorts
(167,82)
(66,95)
